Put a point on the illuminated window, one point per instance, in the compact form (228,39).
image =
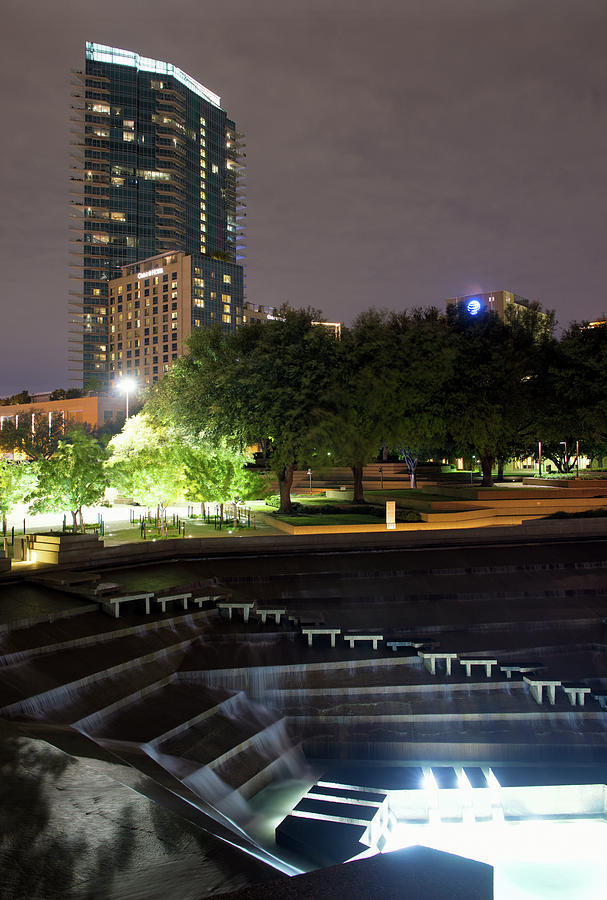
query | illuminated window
(227,279)
(118,216)
(128,136)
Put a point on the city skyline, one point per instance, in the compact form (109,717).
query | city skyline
(394,159)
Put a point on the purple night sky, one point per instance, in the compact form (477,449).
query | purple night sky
(398,152)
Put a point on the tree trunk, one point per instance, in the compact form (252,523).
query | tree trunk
(357,472)
(487,466)
(82,528)
(285,481)
(412,478)
(74,521)
(3,523)
(500,470)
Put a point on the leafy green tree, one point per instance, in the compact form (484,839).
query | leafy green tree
(215,472)
(72,478)
(265,382)
(423,360)
(157,465)
(16,482)
(360,402)
(575,406)
(494,399)
(145,465)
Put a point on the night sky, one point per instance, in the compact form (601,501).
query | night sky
(399,152)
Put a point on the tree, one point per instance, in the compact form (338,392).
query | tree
(267,381)
(494,398)
(157,465)
(16,481)
(72,478)
(575,405)
(423,359)
(361,399)
(145,465)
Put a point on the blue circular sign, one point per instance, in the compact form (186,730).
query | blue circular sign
(473,307)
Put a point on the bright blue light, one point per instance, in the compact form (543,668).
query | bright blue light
(473,307)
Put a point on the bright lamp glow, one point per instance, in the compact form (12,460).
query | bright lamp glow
(127,385)
(473,307)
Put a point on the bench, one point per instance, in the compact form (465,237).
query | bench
(537,685)
(231,605)
(310,632)
(374,638)
(264,611)
(429,658)
(111,605)
(523,668)
(477,661)
(166,598)
(601,697)
(576,692)
(396,644)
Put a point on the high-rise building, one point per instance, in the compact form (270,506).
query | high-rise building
(157,169)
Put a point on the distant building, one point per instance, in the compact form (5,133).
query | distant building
(155,304)
(254,313)
(95,410)
(157,168)
(495,301)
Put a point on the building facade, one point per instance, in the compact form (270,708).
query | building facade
(94,410)
(254,313)
(493,301)
(157,169)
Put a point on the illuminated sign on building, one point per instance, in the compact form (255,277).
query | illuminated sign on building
(473,307)
(150,272)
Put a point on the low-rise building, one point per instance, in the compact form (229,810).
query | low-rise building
(94,410)
(493,301)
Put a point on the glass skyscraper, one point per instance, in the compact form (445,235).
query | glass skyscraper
(157,166)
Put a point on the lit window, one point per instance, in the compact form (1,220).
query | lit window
(227,279)
(128,136)
(226,318)
(214,169)
(226,298)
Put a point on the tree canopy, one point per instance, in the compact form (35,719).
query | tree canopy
(72,478)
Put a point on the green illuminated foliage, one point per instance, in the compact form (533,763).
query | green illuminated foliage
(72,478)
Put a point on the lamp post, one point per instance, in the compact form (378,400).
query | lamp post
(127,386)
(566,455)
(472,467)
(539,443)
(309,474)
(381,477)
(577,459)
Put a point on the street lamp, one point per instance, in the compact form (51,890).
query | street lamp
(126,386)
(472,467)
(309,474)
(381,476)
(577,459)
(566,454)
(540,458)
